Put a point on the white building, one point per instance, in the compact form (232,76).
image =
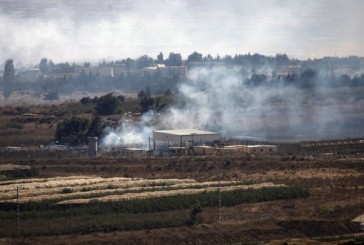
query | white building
(185,137)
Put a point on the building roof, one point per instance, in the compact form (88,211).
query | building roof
(186,132)
(262,146)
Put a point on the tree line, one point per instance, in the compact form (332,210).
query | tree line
(299,73)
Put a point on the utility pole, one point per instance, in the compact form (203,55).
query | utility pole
(219,192)
(17,211)
(149,143)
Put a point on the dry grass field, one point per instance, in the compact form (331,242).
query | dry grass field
(336,189)
(85,189)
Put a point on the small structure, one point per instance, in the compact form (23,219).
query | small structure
(92,146)
(203,150)
(231,150)
(132,152)
(262,150)
(13,148)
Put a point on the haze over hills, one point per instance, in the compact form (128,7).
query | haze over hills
(295,93)
(271,97)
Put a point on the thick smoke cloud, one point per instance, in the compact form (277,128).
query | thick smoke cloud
(77,31)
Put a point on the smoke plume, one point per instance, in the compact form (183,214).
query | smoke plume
(222,99)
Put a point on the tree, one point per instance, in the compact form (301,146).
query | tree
(106,105)
(257,80)
(9,77)
(209,58)
(144,61)
(86,100)
(174,59)
(141,94)
(194,57)
(43,65)
(50,65)
(121,98)
(96,127)
(308,77)
(160,58)
(195,210)
(146,104)
(72,131)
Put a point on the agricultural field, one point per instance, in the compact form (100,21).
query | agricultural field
(52,196)
(182,200)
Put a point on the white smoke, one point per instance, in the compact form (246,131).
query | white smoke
(129,133)
(219,99)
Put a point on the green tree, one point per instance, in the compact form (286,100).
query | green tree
(194,57)
(141,94)
(144,61)
(160,59)
(9,77)
(96,127)
(146,104)
(174,59)
(72,131)
(308,78)
(106,105)
(43,65)
(196,209)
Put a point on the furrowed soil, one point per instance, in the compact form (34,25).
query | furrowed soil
(336,189)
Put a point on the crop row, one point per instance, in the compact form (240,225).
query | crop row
(45,218)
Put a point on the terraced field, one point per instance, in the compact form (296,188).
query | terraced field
(85,189)
(180,200)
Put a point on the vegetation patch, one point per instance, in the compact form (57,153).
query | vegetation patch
(84,204)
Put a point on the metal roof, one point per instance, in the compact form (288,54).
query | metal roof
(186,132)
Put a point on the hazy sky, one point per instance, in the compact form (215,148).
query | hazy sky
(92,30)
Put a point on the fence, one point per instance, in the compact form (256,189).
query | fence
(58,152)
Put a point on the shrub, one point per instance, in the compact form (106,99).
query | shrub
(67,190)
(106,105)
(84,189)
(73,131)
(325,211)
(86,100)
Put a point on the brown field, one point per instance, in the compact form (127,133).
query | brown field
(336,196)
